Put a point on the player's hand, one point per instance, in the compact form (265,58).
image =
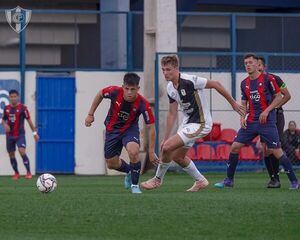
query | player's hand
(153,158)
(7,128)
(89,120)
(263,117)
(243,123)
(240,109)
(36,137)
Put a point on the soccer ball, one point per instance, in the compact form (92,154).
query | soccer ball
(46,183)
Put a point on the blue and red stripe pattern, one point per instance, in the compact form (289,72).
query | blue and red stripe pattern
(15,118)
(123,115)
(259,94)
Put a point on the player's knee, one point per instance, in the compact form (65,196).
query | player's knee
(133,154)
(11,155)
(235,148)
(166,149)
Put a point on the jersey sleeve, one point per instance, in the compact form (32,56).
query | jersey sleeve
(26,113)
(171,100)
(108,92)
(281,84)
(243,93)
(147,113)
(273,86)
(199,82)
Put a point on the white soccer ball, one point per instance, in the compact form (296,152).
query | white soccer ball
(46,183)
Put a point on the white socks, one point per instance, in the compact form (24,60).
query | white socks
(193,171)
(162,169)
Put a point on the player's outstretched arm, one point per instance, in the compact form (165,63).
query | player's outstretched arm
(171,118)
(33,129)
(90,117)
(219,87)
(151,135)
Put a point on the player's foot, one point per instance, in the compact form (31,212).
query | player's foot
(225,183)
(294,185)
(151,183)
(28,175)
(16,176)
(198,185)
(127,181)
(135,189)
(274,183)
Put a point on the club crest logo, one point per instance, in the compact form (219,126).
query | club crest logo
(18,18)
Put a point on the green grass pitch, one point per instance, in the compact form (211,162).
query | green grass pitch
(99,208)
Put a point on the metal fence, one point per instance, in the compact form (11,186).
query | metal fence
(110,41)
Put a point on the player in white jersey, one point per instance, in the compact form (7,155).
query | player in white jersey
(187,91)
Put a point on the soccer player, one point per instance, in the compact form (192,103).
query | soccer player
(272,164)
(122,127)
(261,92)
(13,118)
(187,91)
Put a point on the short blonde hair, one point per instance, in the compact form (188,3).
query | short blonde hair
(172,60)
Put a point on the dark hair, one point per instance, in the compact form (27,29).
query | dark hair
(13,91)
(131,79)
(249,55)
(292,121)
(262,59)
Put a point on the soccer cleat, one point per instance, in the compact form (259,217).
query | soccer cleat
(135,189)
(274,184)
(225,183)
(16,176)
(127,181)
(151,183)
(198,185)
(28,175)
(294,185)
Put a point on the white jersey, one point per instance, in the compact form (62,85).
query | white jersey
(191,98)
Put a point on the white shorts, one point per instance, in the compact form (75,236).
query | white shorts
(190,132)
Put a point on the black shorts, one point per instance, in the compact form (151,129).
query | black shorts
(12,141)
(115,142)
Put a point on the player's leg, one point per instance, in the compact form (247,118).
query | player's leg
(272,168)
(288,168)
(270,135)
(169,146)
(21,143)
(280,127)
(244,136)
(179,156)
(135,165)
(112,151)
(11,148)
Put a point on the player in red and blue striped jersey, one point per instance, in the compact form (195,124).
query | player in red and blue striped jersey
(272,164)
(13,119)
(122,129)
(261,94)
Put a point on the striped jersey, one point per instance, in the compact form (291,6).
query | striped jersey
(15,116)
(259,94)
(122,114)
